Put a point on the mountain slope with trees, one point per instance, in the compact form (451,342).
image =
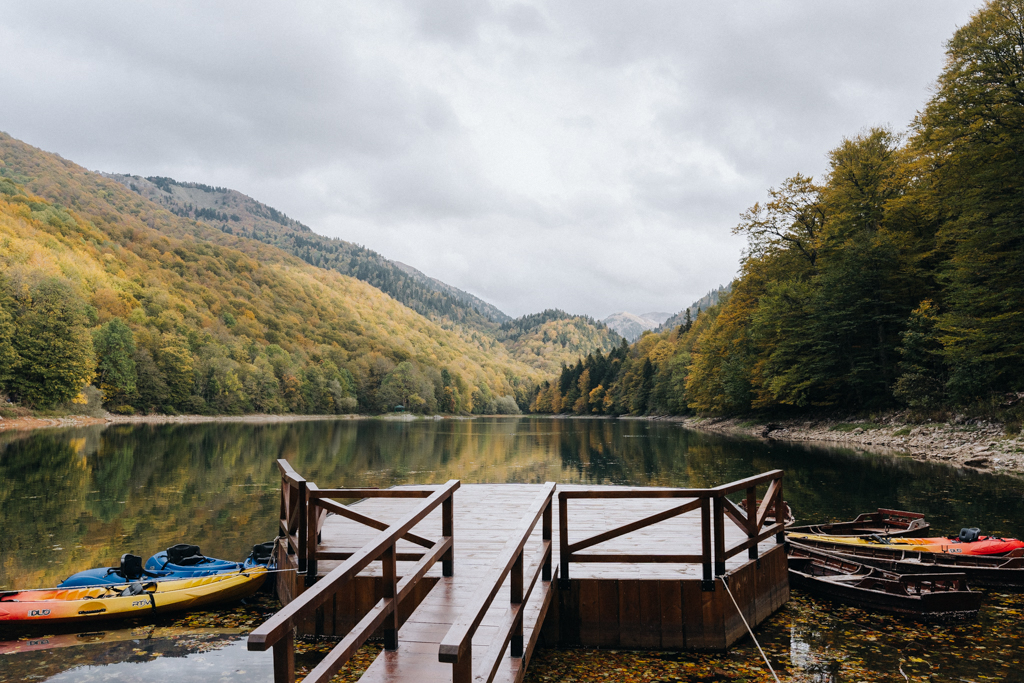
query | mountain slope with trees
(165,313)
(549,340)
(237,214)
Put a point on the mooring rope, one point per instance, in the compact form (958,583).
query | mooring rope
(750,631)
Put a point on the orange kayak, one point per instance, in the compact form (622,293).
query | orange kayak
(125,601)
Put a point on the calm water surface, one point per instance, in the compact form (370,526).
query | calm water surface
(77,498)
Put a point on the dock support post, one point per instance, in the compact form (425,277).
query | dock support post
(284,659)
(300,513)
(563,540)
(312,513)
(719,536)
(389,560)
(780,514)
(516,579)
(448,530)
(462,672)
(708,578)
(752,521)
(546,536)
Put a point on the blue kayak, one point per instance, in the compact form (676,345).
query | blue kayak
(180,561)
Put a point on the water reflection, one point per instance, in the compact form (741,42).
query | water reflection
(78,498)
(82,497)
(140,655)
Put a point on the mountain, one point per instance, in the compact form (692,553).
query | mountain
(631,326)
(237,214)
(703,304)
(170,314)
(548,340)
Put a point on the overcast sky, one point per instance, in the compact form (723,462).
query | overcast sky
(579,154)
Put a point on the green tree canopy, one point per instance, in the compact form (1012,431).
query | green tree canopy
(55,354)
(114,344)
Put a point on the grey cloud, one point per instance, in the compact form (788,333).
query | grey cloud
(588,154)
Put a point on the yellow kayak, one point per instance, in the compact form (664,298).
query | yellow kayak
(127,600)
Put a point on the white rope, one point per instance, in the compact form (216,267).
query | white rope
(750,631)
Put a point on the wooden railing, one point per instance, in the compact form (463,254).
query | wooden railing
(713,505)
(278,631)
(319,503)
(457,646)
(293,512)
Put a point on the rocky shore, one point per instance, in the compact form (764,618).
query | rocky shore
(977,444)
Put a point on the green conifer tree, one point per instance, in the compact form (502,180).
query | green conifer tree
(115,353)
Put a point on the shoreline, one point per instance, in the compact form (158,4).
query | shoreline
(975,444)
(31,423)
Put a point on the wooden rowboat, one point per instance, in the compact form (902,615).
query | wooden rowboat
(1006,572)
(883,522)
(919,596)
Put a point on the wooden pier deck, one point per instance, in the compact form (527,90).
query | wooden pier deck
(619,568)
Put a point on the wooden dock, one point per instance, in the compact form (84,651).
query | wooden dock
(464,581)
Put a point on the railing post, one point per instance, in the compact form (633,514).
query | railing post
(780,513)
(285,501)
(284,659)
(719,535)
(708,582)
(563,540)
(301,514)
(546,536)
(448,530)
(462,671)
(752,528)
(389,560)
(516,579)
(312,514)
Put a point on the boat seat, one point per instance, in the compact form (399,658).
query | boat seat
(184,555)
(131,567)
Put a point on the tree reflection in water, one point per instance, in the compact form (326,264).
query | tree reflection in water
(79,498)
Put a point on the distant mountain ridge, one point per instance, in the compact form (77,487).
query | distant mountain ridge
(701,304)
(238,214)
(631,326)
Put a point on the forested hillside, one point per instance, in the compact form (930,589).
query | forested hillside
(553,338)
(236,214)
(164,313)
(895,280)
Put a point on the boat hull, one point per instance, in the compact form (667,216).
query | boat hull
(884,522)
(102,603)
(922,596)
(1006,573)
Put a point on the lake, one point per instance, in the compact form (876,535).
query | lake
(77,498)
